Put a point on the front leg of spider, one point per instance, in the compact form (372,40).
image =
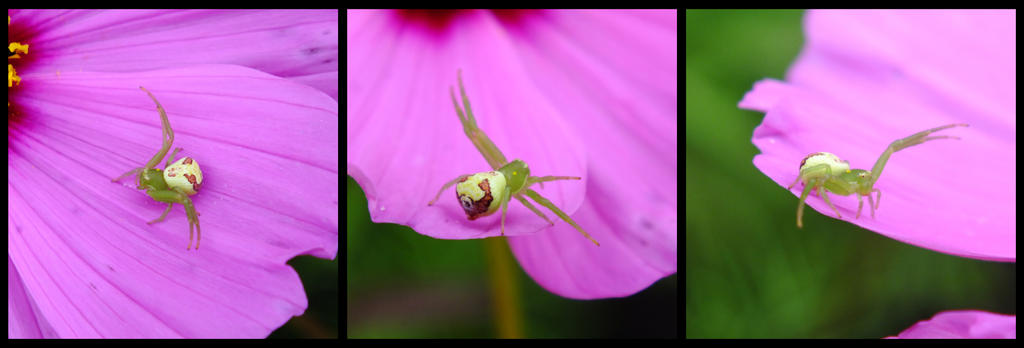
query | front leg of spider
(483,194)
(175,183)
(823,171)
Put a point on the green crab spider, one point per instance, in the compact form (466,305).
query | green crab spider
(481,194)
(175,183)
(823,171)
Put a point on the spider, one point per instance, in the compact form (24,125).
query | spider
(175,183)
(823,171)
(481,194)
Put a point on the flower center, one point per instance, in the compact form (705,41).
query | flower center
(14,52)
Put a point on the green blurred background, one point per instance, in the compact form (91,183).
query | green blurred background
(405,285)
(750,273)
(320,282)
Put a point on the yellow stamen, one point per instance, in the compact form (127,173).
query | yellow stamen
(15,50)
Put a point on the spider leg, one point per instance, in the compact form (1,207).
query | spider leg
(193,219)
(874,203)
(447,185)
(547,204)
(900,144)
(803,199)
(860,204)
(824,195)
(504,209)
(476,135)
(130,172)
(171,158)
(533,208)
(794,182)
(168,133)
(542,179)
(164,215)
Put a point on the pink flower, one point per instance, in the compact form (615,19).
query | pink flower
(867,78)
(566,92)
(249,95)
